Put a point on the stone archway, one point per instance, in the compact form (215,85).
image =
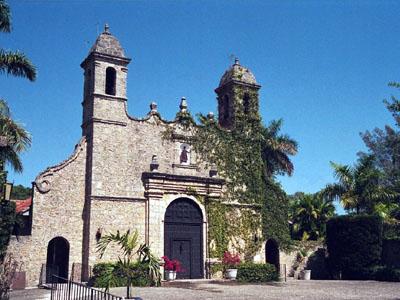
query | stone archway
(272,253)
(183,236)
(57,258)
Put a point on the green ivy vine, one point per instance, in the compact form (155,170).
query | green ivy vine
(254,206)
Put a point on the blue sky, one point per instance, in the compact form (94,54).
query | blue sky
(323,66)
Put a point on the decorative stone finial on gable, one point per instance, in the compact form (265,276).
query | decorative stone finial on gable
(210,116)
(183,106)
(213,170)
(106,29)
(153,107)
(154,164)
(236,61)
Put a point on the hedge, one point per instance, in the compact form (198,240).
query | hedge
(354,244)
(391,231)
(7,221)
(100,280)
(252,272)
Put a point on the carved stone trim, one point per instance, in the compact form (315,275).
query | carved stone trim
(43,180)
(157,184)
(180,166)
(118,199)
(109,97)
(98,120)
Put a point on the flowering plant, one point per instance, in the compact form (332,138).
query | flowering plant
(230,260)
(172,265)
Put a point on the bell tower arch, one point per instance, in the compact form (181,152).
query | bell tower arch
(237,95)
(105,77)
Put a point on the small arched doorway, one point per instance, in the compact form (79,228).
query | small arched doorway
(183,236)
(57,258)
(272,253)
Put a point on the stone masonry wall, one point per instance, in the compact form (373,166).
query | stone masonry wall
(58,212)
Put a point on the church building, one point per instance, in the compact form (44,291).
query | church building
(123,174)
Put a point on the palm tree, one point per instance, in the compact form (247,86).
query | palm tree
(358,188)
(13,62)
(128,243)
(276,150)
(309,214)
(14,139)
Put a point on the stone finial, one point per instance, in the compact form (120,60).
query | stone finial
(236,61)
(154,164)
(106,29)
(183,106)
(153,107)
(213,170)
(210,116)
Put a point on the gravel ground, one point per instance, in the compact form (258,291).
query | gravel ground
(231,290)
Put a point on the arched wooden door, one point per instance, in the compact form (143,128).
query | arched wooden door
(272,253)
(183,236)
(57,258)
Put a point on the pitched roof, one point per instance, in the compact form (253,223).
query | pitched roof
(107,44)
(238,73)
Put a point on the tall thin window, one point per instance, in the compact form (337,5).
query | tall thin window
(225,108)
(246,103)
(111,76)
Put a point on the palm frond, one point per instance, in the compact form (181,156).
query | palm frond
(5,17)
(4,109)
(8,155)
(16,64)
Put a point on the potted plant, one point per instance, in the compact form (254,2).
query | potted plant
(230,262)
(171,267)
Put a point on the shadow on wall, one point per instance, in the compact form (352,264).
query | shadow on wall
(317,263)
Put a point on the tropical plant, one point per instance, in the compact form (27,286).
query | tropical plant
(358,188)
(13,137)
(131,251)
(309,214)
(13,62)
(276,150)
(384,144)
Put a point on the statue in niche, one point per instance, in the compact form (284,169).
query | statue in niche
(185,155)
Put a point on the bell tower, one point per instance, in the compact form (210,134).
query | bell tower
(105,75)
(237,95)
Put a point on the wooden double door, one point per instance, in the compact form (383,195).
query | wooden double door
(183,237)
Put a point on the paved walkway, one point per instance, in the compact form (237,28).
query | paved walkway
(294,289)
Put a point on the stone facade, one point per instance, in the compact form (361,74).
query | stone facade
(122,175)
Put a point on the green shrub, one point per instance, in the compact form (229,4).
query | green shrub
(214,268)
(388,274)
(7,222)
(354,244)
(100,277)
(252,272)
(391,231)
(391,252)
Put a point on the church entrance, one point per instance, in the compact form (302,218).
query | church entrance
(272,253)
(183,236)
(57,259)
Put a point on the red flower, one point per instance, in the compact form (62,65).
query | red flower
(172,265)
(230,260)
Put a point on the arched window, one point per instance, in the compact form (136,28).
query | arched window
(246,103)
(111,76)
(225,108)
